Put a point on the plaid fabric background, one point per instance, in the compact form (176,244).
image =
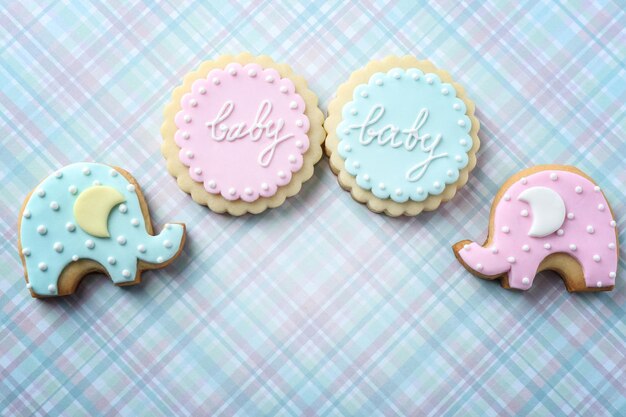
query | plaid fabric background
(319,307)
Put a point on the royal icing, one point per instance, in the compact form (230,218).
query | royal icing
(405,135)
(548,208)
(242,131)
(89,211)
(92,208)
(549,212)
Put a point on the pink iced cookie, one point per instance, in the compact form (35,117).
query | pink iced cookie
(548,217)
(242,134)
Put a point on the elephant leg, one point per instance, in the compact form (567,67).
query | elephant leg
(598,274)
(122,270)
(521,275)
(44,283)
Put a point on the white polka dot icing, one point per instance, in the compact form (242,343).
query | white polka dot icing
(586,235)
(62,239)
(406,150)
(244,129)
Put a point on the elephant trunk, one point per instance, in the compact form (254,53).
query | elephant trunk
(164,247)
(483,261)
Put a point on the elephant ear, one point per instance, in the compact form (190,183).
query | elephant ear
(93,206)
(548,210)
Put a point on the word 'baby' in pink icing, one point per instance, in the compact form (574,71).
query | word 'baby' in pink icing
(242,131)
(549,211)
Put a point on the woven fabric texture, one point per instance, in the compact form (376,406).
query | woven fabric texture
(319,307)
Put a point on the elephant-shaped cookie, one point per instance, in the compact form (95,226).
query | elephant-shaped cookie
(549,217)
(90,217)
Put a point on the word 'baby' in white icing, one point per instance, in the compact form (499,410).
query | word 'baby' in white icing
(259,127)
(389,135)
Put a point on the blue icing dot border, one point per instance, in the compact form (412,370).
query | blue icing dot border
(384,168)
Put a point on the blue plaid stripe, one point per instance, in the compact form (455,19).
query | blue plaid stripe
(319,307)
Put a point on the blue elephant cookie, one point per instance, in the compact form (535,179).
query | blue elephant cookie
(89,217)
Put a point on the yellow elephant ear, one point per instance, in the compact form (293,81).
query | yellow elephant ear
(93,206)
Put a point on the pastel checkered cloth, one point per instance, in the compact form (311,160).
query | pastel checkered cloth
(319,307)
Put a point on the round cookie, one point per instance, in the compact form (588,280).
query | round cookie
(242,133)
(548,217)
(402,136)
(89,217)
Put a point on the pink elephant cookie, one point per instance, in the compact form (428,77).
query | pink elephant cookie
(549,217)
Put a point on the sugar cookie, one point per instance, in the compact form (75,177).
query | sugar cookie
(548,217)
(242,134)
(85,218)
(402,136)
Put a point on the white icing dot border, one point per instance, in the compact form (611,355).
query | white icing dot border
(363,177)
(415,70)
(282,189)
(293,160)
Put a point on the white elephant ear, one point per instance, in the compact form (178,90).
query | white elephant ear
(92,209)
(548,210)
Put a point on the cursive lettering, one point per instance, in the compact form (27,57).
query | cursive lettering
(260,127)
(388,135)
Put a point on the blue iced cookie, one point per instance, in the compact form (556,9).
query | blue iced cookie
(89,217)
(402,136)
